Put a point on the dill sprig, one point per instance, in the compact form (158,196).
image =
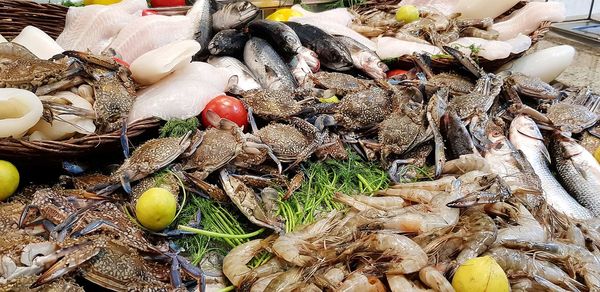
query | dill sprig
(323,180)
(178,128)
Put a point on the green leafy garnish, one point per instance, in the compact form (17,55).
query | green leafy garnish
(178,128)
(323,180)
(72,3)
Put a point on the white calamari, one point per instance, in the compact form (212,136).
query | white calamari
(19,111)
(67,125)
(388,47)
(158,63)
(38,42)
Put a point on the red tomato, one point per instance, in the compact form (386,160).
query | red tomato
(167,3)
(395,72)
(149,12)
(121,62)
(227,107)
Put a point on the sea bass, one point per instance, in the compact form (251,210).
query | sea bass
(332,53)
(364,58)
(525,136)
(245,79)
(578,170)
(234,15)
(283,39)
(266,65)
(201,20)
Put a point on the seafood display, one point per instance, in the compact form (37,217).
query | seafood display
(292,155)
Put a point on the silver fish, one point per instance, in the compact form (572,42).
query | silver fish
(234,15)
(245,79)
(578,170)
(268,67)
(363,58)
(202,24)
(525,136)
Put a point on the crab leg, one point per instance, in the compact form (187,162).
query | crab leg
(70,259)
(95,225)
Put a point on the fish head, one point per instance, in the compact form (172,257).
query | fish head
(372,65)
(524,126)
(245,11)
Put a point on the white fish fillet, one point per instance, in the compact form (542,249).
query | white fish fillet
(488,49)
(38,42)
(181,95)
(93,27)
(446,7)
(388,47)
(338,15)
(529,18)
(335,29)
(148,33)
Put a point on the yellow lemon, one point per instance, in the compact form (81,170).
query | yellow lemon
(481,274)
(156,208)
(283,14)
(597,154)
(333,99)
(407,14)
(101,2)
(9,179)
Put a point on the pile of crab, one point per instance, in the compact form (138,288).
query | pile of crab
(73,87)
(444,119)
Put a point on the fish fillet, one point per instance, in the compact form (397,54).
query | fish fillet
(388,47)
(93,27)
(488,49)
(529,18)
(148,33)
(446,7)
(182,94)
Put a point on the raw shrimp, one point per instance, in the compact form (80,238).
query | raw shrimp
(436,185)
(435,279)
(359,282)
(431,214)
(527,228)
(284,280)
(331,278)
(261,284)
(235,262)
(583,261)
(363,203)
(411,257)
(297,248)
(539,284)
(466,163)
(482,232)
(517,262)
(399,283)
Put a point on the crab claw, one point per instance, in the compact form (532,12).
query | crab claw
(70,259)
(464,60)
(126,183)
(324,121)
(124,140)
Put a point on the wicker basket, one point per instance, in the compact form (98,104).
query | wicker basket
(17,14)
(74,147)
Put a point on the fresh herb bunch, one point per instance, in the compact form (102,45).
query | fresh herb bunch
(178,128)
(323,180)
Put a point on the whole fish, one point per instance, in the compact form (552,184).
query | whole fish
(228,42)
(234,15)
(364,58)
(201,20)
(283,39)
(332,53)
(245,79)
(525,136)
(266,65)
(578,170)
